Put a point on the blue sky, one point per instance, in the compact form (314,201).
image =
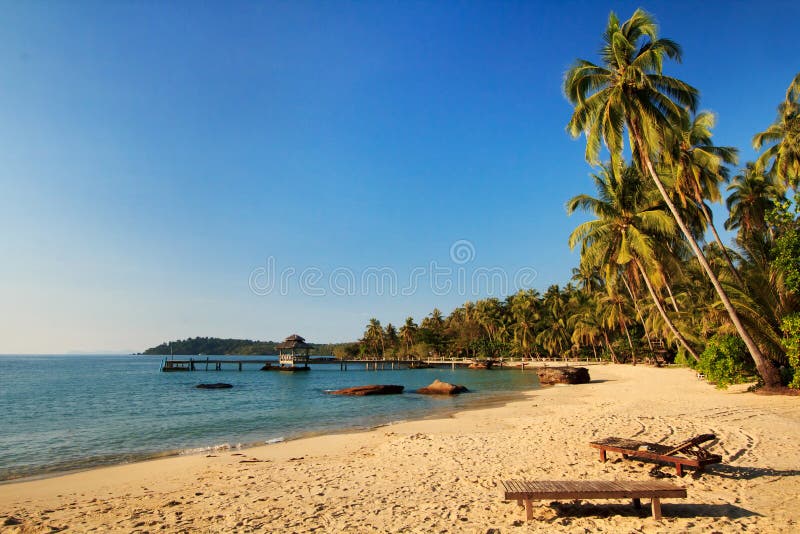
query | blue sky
(156,156)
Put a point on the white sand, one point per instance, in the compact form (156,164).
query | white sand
(443,475)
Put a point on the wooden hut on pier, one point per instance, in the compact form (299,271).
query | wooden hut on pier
(293,353)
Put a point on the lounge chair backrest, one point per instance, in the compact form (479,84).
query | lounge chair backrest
(689,443)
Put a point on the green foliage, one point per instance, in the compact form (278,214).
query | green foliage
(685,360)
(216,346)
(787,258)
(346,351)
(725,361)
(787,244)
(791,340)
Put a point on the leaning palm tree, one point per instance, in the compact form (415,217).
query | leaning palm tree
(784,154)
(698,167)
(629,91)
(629,217)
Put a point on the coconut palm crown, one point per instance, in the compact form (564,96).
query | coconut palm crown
(628,89)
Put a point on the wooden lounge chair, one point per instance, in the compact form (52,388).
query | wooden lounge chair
(689,453)
(525,491)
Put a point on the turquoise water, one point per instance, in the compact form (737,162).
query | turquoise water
(60,413)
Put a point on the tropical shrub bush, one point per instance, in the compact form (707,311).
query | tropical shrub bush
(791,341)
(725,361)
(684,359)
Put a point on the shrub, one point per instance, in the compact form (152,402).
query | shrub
(791,341)
(685,359)
(725,361)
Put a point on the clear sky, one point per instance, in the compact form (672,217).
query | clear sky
(159,161)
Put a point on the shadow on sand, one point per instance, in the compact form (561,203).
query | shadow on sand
(748,473)
(680,510)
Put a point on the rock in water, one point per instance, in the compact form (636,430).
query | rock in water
(442,388)
(218,385)
(563,375)
(379,389)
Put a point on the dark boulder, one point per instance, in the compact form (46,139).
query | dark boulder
(379,389)
(442,388)
(218,385)
(563,375)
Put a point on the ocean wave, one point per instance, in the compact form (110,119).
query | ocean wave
(212,448)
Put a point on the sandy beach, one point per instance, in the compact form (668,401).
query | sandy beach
(443,475)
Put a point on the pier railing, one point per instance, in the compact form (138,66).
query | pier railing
(217,364)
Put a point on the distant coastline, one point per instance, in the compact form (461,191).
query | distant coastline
(219,346)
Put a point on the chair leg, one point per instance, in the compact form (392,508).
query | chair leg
(656,505)
(528,509)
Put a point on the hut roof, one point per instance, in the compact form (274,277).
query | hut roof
(294,342)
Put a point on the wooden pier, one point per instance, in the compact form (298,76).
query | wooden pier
(208,364)
(170,364)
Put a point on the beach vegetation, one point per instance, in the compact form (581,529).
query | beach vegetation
(725,361)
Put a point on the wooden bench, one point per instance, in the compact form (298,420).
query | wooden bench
(525,491)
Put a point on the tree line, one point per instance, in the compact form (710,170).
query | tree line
(218,346)
(648,276)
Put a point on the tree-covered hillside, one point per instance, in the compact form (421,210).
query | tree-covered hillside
(217,346)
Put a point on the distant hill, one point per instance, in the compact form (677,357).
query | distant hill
(217,346)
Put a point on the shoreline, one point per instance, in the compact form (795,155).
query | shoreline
(488,400)
(443,473)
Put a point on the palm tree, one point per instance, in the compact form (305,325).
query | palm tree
(525,313)
(753,196)
(408,332)
(785,134)
(587,326)
(628,218)
(698,168)
(630,91)
(374,336)
(390,335)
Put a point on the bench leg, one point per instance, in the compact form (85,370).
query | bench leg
(519,502)
(637,503)
(678,469)
(656,505)
(602,455)
(528,509)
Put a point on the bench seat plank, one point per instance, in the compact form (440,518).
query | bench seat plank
(590,489)
(529,490)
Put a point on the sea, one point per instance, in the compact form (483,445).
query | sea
(61,413)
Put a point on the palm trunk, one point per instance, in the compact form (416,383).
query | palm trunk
(627,333)
(727,256)
(671,296)
(638,312)
(663,312)
(766,370)
(610,348)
